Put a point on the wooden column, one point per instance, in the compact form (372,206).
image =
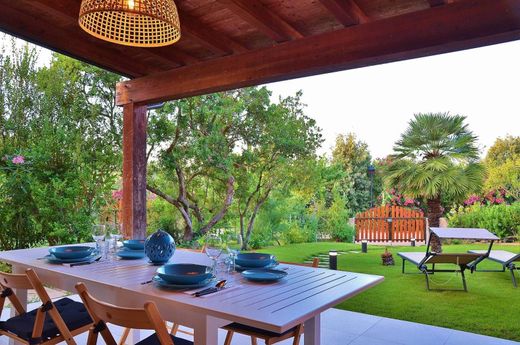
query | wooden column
(134,170)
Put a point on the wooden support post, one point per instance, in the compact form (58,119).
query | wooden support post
(134,170)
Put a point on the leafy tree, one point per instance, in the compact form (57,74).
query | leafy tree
(56,121)
(502,165)
(436,155)
(353,156)
(281,135)
(214,148)
(195,138)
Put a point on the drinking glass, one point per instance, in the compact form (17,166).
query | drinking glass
(232,250)
(115,234)
(98,234)
(213,248)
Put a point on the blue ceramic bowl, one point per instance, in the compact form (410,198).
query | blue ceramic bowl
(254,260)
(134,244)
(71,252)
(184,273)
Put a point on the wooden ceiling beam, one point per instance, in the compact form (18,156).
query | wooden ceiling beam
(462,25)
(263,19)
(207,37)
(28,27)
(347,12)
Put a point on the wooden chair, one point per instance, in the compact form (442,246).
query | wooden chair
(133,318)
(67,317)
(269,337)
(174,327)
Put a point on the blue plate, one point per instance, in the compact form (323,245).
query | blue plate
(256,260)
(184,273)
(129,254)
(134,244)
(71,252)
(54,260)
(264,275)
(164,284)
(242,268)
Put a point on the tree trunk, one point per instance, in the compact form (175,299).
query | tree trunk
(251,222)
(228,200)
(188,233)
(434,212)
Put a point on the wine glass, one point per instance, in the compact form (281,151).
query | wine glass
(213,248)
(115,234)
(98,234)
(232,251)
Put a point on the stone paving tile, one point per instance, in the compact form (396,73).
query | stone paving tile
(364,340)
(407,333)
(347,321)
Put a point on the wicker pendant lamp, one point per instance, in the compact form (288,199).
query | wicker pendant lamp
(136,23)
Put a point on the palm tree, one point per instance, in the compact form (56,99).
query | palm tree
(436,155)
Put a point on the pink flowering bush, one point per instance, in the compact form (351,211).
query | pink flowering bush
(493,197)
(117,194)
(18,159)
(394,198)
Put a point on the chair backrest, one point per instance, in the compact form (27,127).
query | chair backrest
(102,313)
(453,258)
(8,282)
(31,281)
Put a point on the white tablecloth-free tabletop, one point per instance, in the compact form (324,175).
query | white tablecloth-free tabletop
(300,297)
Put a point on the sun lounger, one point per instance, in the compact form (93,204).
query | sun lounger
(505,258)
(462,260)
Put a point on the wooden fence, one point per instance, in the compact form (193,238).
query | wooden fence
(390,223)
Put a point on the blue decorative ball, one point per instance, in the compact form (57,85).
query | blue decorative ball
(159,247)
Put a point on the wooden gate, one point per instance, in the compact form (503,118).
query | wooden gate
(390,223)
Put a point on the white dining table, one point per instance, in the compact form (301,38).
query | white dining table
(298,298)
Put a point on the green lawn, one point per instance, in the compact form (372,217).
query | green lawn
(491,307)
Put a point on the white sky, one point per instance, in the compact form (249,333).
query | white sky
(377,102)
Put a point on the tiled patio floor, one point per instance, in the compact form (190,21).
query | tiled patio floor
(341,327)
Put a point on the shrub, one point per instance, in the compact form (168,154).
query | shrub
(503,220)
(344,233)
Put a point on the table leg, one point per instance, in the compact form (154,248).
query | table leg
(22,296)
(206,331)
(312,331)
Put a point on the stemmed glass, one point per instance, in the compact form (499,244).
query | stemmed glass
(114,231)
(232,252)
(98,234)
(213,247)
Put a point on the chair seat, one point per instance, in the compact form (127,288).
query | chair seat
(153,340)
(73,313)
(258,332)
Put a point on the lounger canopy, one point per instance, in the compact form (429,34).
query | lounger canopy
(464,234)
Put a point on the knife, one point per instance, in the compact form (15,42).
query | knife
(219,286)
(84,262)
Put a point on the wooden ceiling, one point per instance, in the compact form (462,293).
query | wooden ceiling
(255,37)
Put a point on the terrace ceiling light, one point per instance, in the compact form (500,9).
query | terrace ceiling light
(135,23)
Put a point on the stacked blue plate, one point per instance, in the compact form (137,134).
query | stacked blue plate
(71,254)
(264,275)
(183,276)
(132,250)
(247,261)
